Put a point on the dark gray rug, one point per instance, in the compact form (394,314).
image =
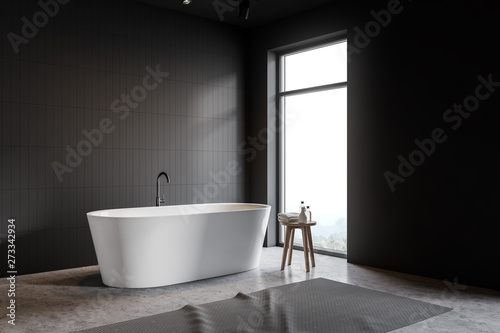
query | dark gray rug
(317,305)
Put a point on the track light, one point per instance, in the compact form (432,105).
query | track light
(186,2)
(244,9)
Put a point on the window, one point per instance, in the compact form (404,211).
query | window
(313,146)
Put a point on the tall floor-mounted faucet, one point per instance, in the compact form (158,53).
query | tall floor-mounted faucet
(159,196)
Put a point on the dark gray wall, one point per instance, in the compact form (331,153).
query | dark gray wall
(441,221)
(65,80)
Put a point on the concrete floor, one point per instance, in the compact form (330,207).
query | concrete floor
(75,299)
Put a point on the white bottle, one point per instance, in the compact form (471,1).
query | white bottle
(303,214)
(301,205)
(309,215)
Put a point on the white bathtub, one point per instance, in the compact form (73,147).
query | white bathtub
(158,246)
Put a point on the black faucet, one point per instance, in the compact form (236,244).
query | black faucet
(160,200)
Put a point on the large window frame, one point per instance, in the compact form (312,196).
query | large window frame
(280,97)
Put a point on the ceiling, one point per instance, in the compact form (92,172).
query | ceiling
(227,11)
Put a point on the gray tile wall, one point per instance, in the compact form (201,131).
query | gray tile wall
(65,79)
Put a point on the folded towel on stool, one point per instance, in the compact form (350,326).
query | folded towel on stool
(289,221)
(288,217)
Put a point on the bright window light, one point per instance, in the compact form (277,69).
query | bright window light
(316,67)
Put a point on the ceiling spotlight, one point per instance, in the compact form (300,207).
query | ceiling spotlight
(186,2)
(244,9)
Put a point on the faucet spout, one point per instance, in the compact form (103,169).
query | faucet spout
(159,198)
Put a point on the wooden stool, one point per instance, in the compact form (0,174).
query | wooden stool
(306,238)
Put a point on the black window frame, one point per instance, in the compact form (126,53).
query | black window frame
(280,96)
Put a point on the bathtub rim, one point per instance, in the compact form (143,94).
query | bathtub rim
(251,207)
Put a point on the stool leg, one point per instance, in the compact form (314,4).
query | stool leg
(285,247)
(311,249)
(304,241)
(292,235)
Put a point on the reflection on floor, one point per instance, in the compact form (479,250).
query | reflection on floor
(74,299)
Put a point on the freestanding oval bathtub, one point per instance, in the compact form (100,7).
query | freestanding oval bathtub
(158,246)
